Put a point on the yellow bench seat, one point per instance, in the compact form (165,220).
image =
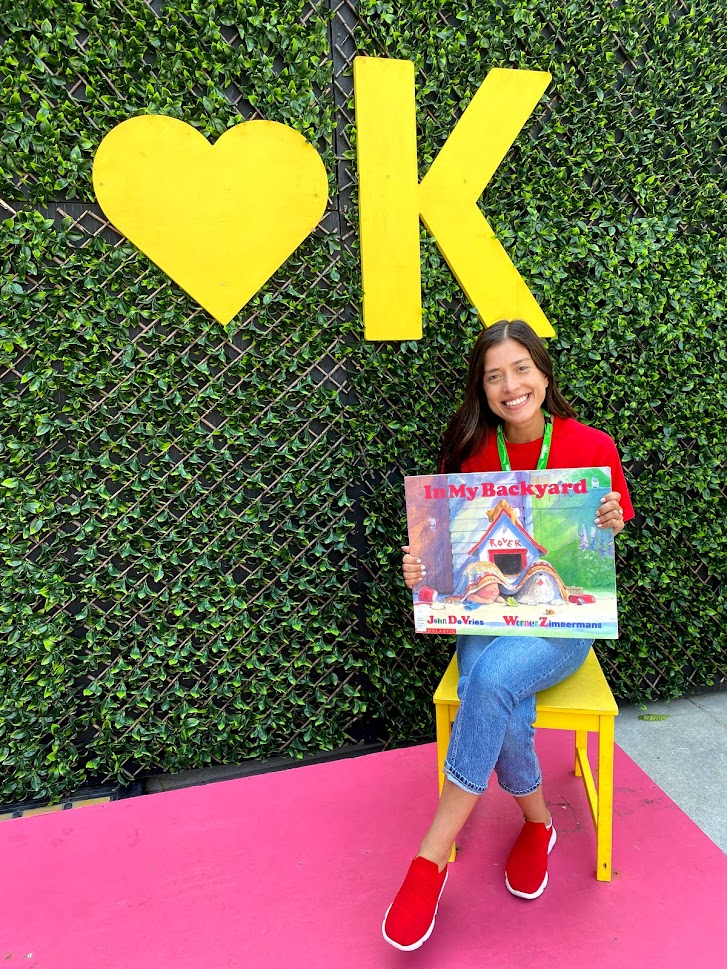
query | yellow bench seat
(584,704)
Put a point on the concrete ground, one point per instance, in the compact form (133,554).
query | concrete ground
(685,754)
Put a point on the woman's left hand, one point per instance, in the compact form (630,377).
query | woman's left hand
(610,513)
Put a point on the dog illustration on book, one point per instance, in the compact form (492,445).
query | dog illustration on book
(479,584)
(540,585)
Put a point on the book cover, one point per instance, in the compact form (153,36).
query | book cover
(513,553)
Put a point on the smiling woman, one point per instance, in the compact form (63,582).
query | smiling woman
(513,417)
(510,380)
(515,391)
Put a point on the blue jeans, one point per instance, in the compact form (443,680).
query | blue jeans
(498,679)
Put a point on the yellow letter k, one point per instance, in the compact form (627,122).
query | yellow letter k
(391,198)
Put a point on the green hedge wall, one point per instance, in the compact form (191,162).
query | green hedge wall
(200,526)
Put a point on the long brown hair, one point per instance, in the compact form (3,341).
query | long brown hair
(470,424)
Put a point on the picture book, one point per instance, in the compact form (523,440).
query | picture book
(513,553)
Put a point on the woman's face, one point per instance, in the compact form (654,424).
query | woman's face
(515,390)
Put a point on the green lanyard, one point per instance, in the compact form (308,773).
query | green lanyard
(544,450)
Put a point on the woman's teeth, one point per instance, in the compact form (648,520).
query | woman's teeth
(517,401)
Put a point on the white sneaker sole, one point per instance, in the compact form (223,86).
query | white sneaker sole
(420,942)
(539,892)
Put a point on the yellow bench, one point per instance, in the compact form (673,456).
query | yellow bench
(582,703)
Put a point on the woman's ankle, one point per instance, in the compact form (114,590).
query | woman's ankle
(437,857)
(541,818)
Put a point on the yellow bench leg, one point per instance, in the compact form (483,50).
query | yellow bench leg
(582,745)
(444,730)
(604,826)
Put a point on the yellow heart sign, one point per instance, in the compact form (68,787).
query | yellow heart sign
(218,219)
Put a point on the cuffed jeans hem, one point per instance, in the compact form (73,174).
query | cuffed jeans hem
(530,790)
(462,783)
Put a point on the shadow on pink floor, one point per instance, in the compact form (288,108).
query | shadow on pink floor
(295,869)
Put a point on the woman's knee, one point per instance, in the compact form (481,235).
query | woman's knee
(490,684)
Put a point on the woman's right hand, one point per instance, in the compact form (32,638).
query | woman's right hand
(412,568)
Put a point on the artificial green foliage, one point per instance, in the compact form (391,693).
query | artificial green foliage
(611,203)
(200,527)
(71,71)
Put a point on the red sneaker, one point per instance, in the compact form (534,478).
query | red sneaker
(409,920)
(526,871)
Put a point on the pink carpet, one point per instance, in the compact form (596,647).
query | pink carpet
(295,869)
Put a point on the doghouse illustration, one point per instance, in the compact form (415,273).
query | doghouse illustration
(506,543)
(507,562)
